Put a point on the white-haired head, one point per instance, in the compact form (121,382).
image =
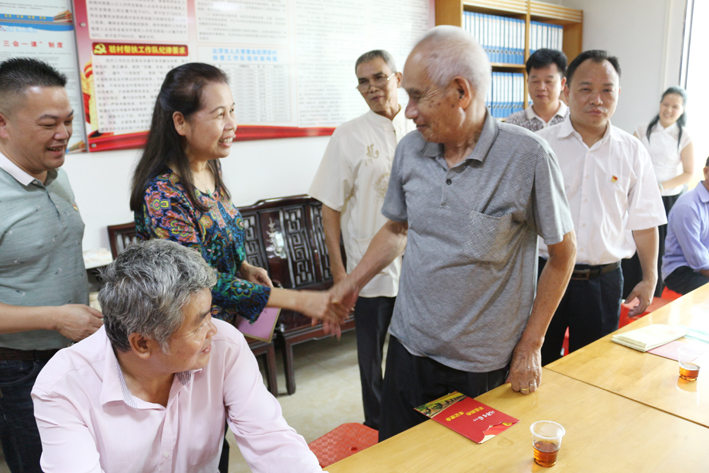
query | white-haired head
(450,51)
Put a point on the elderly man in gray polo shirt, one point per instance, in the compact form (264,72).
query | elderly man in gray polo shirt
(471,195)
(43,287)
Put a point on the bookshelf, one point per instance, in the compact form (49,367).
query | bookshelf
(450,12)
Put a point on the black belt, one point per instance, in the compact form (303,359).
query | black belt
(9,354)
(584,272)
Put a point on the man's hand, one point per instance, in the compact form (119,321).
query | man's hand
(646,243)
(255,274)
(343,296)
(330,328)
(643,292)
(525,369)
(338,276)
(317,305)
(76,321)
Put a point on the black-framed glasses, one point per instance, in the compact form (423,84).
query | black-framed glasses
(378,83)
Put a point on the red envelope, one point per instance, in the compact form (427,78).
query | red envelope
(468,417)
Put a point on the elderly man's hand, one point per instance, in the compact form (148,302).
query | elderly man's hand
(525,369)
(343,297)
(330,328)
(643,292)
(76,321)
(318,305)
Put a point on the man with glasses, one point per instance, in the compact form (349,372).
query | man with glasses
(351,182)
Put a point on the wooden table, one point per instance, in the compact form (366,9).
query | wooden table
(605,432)
(644,377)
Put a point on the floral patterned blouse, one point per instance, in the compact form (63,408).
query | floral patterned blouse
(217,234)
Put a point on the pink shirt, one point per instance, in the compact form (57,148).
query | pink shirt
(90,422)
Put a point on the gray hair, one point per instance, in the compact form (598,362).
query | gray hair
(147,286)
(374,54)
(451,51)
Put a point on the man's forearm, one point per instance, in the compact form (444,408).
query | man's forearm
(332,229)
(387,244)
(550,289)
(647,241)
(15,318)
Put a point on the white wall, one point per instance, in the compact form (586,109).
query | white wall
(646,36)
(255,170)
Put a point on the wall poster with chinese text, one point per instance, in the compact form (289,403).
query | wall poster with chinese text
(290,62)
(44,30)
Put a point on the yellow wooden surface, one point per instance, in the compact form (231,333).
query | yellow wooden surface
(604,433)
(645,377)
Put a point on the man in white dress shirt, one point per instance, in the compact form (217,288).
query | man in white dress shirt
(611,189)
(351,182)
(545,68)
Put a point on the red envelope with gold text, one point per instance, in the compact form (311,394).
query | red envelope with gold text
(468,417)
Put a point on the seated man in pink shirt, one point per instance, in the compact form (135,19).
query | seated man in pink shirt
(152,389)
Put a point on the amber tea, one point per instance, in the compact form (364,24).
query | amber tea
(688,371)
(688,366)
(545,453)
(546,440)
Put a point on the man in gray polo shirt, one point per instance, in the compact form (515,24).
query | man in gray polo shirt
(471,195)
(43,288)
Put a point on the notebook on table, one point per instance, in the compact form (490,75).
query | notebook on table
(649,337)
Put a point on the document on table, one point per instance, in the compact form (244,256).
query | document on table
(647,338)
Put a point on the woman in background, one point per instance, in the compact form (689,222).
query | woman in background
(672,154)
(178,193)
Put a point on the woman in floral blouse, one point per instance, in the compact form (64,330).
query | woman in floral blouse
(178,193)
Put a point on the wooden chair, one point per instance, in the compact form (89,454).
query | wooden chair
(120,236)
(285,235)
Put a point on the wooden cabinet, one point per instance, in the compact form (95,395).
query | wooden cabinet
(450,12)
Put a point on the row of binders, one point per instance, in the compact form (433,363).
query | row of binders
(506,94)
(502,38)
(544,35)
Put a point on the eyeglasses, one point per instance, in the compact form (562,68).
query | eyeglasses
(378,83)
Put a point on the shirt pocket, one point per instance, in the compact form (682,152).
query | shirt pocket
(490,238)
(620,183)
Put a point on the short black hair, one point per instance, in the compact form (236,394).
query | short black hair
(707,164)
(19,73)
(596,55)
(546,57)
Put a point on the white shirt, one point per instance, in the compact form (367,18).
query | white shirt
(611,189)
(15,171)
(664,152)
(353,178)
(90,422)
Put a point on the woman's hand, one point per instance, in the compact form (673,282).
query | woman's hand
(255,274)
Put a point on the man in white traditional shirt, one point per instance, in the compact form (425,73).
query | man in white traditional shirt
(545,70)
(351,182)
(611,188)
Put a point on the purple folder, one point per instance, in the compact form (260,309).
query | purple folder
(262,329)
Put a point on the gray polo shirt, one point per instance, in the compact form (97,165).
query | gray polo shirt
(41,260)
(469,275)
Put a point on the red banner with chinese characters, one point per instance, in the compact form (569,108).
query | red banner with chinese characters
(125,49)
